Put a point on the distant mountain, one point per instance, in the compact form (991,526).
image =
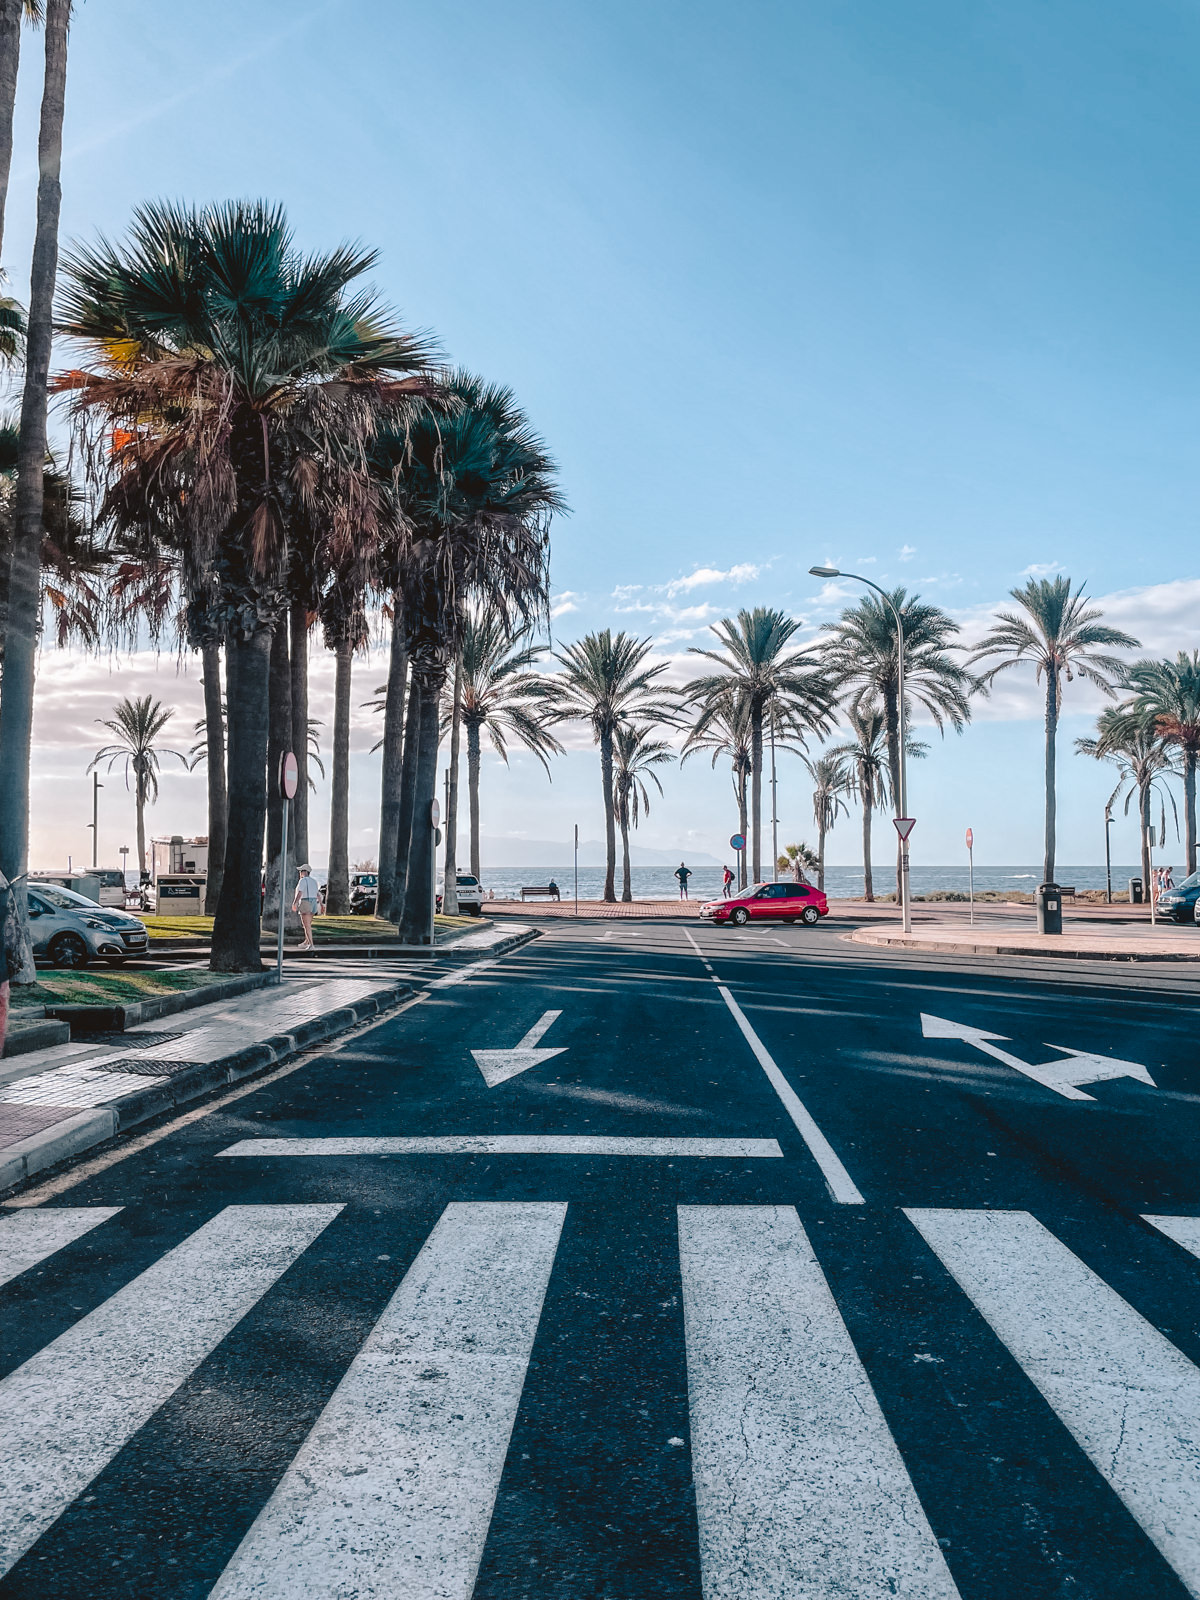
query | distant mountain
(554,853)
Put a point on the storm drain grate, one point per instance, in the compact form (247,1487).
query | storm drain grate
(144,1066)
(134,1041)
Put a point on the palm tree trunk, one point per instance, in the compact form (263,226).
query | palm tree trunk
(298,642)
(237,928)
(408,790)
(473,795)
(1144,805)
(139,803)
(24,598)
(1051,753)
(868,881)
(743,829)
(756,761)
(610,827)
(1189,806)
(626,878)
(891,714)
(218,800)
(281,870)
(821,859)
(393,755)
(417,916)
(337,892)
(10,56)
(450,890)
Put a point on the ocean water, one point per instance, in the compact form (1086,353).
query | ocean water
(657,883)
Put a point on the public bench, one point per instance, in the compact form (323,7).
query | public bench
(543,891)
(1066,889)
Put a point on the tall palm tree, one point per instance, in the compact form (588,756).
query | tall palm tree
(866,755)
(24,584)
(230,362)
(345,632)
(1167,695)
(1061,636)
(502,697)
(604,679)
(832,781)
(724,728)
(636,753)
(1144,759)
(756,656)
(863,658)
(11,14)
(137,725)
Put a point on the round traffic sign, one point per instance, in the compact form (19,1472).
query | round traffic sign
(435,813)
(970,838)
(289,776)
(738,841)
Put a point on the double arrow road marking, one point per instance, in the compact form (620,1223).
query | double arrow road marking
(1079,1066)
(499,1065)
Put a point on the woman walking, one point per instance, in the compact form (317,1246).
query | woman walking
(304,901)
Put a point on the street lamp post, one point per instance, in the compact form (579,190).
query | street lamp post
(94,824)
(1108,822)
(774,812)
(835,572)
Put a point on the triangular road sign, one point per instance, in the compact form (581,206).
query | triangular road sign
(904,825)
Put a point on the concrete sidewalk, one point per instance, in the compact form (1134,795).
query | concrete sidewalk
(59,1101)
(1094,942)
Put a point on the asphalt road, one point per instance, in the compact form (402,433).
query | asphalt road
(746,1282)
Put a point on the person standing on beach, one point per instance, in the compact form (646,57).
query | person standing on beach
(683,873)
(728,883)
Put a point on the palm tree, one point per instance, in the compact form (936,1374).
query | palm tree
(831,782)
(24,585)
(1062,637)
(345,632)
(137,725)
(864,660)
(755,658)
(1144,759)
(605,680)
(503,697)
(11,14)
(231,364)
(866,754)
(636,752)
(724,727)
(797,856)
(1167,695)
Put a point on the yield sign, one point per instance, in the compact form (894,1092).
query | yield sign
(904,825)
(499,1065)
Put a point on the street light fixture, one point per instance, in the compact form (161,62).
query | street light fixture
(854,577)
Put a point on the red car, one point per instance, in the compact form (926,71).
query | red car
(770,902)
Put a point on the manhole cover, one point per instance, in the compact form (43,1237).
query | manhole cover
(134,1041)
(144,1066)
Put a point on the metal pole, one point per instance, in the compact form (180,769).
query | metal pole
(576,869)
(287,806)
(1149,837)
(433,833)
(905,892)
(96,788)
(774,812)
(971,868)
(1108,852)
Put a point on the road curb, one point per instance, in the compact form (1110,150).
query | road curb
(963,948)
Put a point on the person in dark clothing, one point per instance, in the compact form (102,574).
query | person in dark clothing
(683,873)
(727,885)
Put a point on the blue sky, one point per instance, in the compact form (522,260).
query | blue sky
(909,286)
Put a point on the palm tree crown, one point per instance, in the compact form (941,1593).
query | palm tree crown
(1167,695)
(137,725)
(832,780)
(1144,760)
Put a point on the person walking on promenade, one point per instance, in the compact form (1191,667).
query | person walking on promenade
(683,872)
(305,902)
(727,886)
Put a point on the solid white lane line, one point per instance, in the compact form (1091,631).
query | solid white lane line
(1184,1230)
(70,1408)
(800,1488)
(838,1181)
(391,1494)
(1127,1394)
(28,1237)
(505,1144)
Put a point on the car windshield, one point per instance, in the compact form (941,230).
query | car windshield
(65,899)
(1192,881)
(366,880)
(467,882)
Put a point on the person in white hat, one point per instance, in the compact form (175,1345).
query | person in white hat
(305,902)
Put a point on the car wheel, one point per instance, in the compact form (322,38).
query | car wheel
(69,951)
(739,916)
(810,916)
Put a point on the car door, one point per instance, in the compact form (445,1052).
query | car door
(42,923)
(770,902)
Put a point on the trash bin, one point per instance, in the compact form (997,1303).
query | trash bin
(1135,891)
(1048,899)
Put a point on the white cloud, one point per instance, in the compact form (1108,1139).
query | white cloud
(564,604)
(1040,569)
(865,561)
(907,552)
(744,572)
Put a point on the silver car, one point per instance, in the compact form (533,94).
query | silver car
(69,930)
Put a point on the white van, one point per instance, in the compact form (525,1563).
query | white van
(470,893)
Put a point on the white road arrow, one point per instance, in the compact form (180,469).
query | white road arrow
(1081,1066)
(498,1065)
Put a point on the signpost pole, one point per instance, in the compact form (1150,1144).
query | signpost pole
(576,869)
(289,773)
(434,819)
(971,869)
(1150,843)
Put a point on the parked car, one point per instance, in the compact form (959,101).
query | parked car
(1179,903)
(364,891)
(470,893)
(769,902)
(68,930)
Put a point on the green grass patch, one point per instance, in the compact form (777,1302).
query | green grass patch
(326,930)
(107,989)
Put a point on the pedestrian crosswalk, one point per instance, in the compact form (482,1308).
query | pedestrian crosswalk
(804,1483)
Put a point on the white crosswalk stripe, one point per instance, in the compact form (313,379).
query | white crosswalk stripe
(1127,1394)
(70,1408)
(800,1488)
(30,1237)
(391,1494)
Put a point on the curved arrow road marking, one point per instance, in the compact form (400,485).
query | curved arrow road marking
(1081,1066)
(499,1065)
